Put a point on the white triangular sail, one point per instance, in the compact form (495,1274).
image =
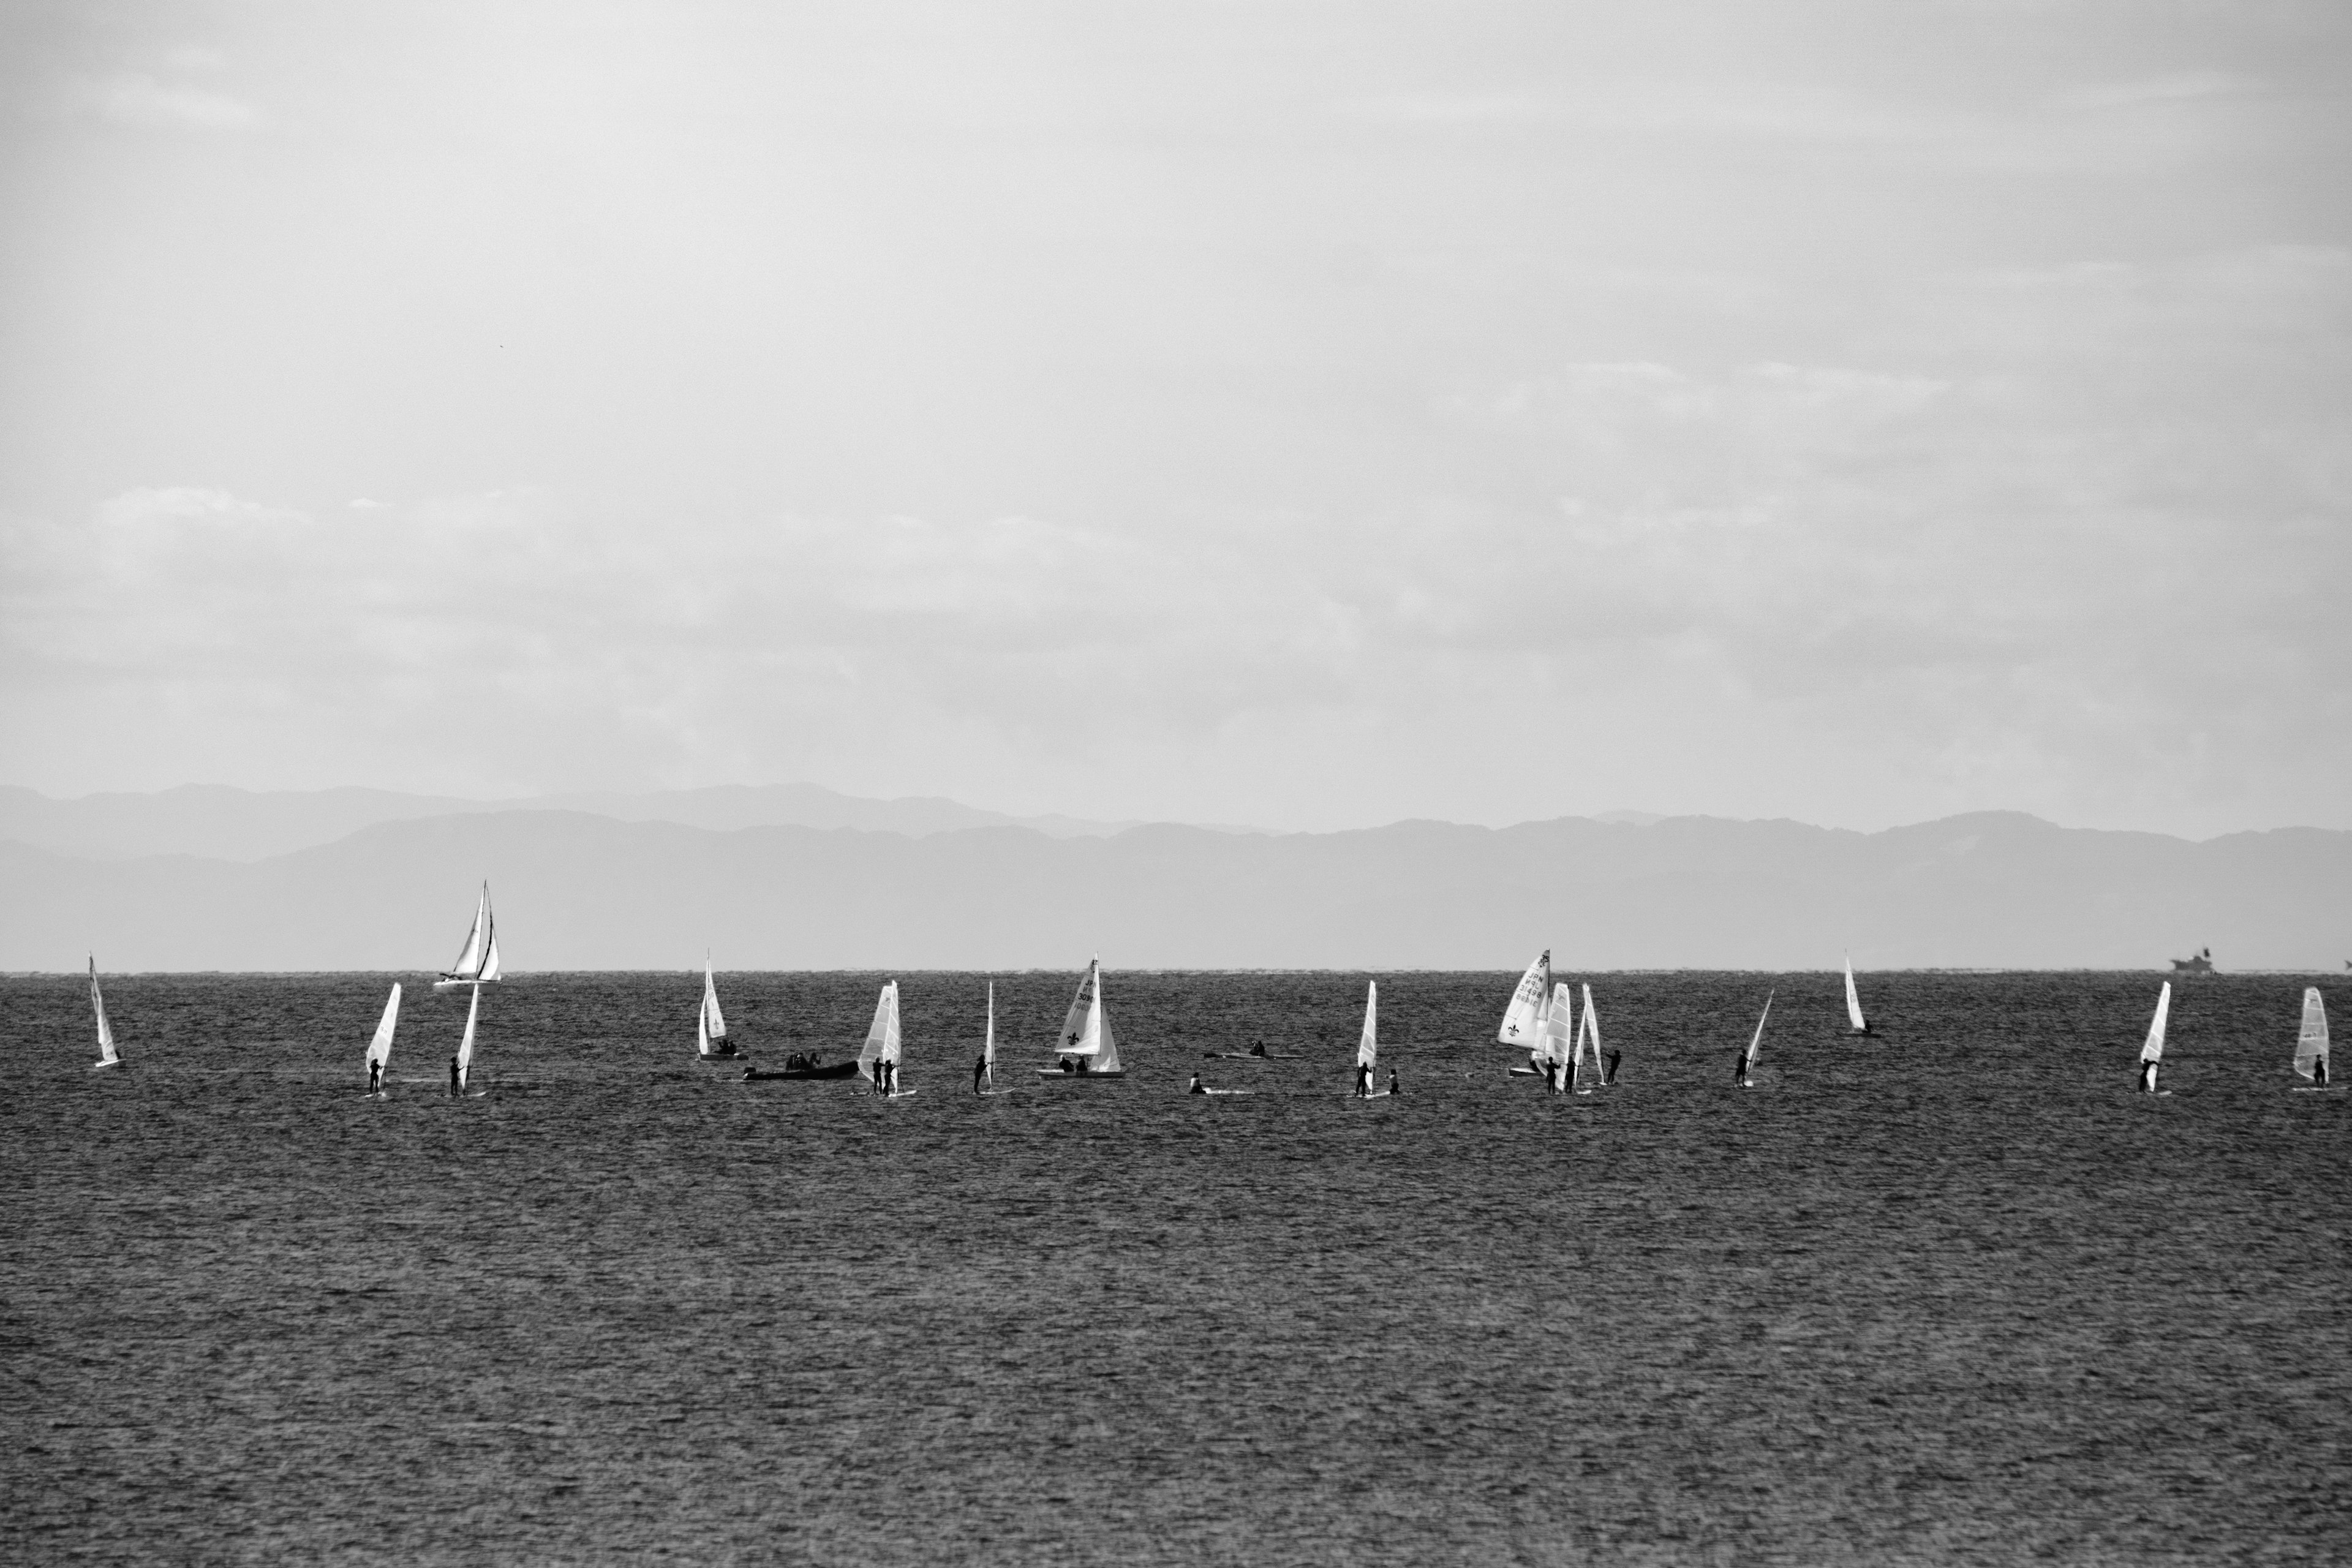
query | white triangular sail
(711,1023)
(465,1045)
(479,959)
(1558,1048)
(2153,1051)
(2311,1041)
(379,1051)
(1368,1045)
(882,1034)
(1522,1019)
(1588,1043)
(1757,1044)
(106,1054)
(1853,999)
(988,1040)
(1086,1029)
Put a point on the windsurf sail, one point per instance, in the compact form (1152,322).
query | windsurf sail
(1086,1029)
(479,960)
(1852,999)
(1522,1019)
(882,1034)
(1757,1044)
(379,1053)
(1368,1045)
(106,1054)
(987,1041)
(1588,1043)
(712,1024)
(2311,1041)
(2154,1049)
(1559,1048)
(465,1045)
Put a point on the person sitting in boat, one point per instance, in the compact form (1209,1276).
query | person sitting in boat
(1257,1047)
(1196,1088)
(1067,1064)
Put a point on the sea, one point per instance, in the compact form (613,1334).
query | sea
(1956,1293)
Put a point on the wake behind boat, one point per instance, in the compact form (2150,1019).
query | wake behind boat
(1086,1049)
(478,960)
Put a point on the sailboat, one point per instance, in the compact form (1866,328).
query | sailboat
(465,1045)
(1367,1043)
(107,1057)
(478,960)
(882,1043)
(988,1044)
(1557,1048)
(1086,1047)
(379,1051)
(1854,1001)
(1522,1019)
(2152,1053)
(1748,1059)
(710,1024)
(2311,1041)
(1587,1071)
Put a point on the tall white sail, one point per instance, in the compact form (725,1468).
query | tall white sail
(1587,1042)
(465,1045)
(1558,1043)
(711,1025)
(1853,999)
(106,1055)
(379,1053)
(1086,1028)
(987,1041)
(2311,1042)
(2154,1049)
(882,1034)
(479,959)
(1367,1047)
(1522,1019)
(1757,1044)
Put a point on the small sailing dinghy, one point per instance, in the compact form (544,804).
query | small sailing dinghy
(464,1058)
(2311,1040)
(1368,1045)
(1086,1047)
(1587,1071)
(1854,1002)
(478,960)
(1747,1057)
(107,1055)
(710,1024)
(1522,1019)
(882,1044)
(2152,1053)
(379,1051)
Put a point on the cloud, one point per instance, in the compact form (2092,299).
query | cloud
(136,99)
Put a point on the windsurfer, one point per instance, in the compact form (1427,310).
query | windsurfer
(455,1085)
(1610,1075)
(1392,1082)
(1363,1081)
(1196,1088)
(2319,1072)
(979,1071)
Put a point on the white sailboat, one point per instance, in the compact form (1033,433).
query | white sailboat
(710,1024)
(2152,1053)
(1367,1043)
(1748,1059)
(882,1042)
(107,1056)
(478,960)
(379,1051)
(1587,1071)
(1854,1001)
(2311,1040)
(1522,1019)
(465,1045)
(1086,1049)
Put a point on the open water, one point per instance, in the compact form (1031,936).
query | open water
(1957,1294)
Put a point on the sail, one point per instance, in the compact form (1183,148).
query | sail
(882,1034)
(987,1041)
(465,1045)
(1368,1047)
(1853,999)
(1098,1027)
(2311,1043)
(479,959)
(1524,1017)
(1086,1028)
(1558,1044)
(2154,1049)
(98,1005)
(1073,1022)
(1757,1044)
(714,1023)
(1587,1041)
(379,1048)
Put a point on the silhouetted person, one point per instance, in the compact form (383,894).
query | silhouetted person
(2148,1077)
(1551,1075)
(1363,1081)
(2319,1073)
(1257,1047)
(1392,1082)
(455,1085)
(375,1074)
(1609,1073)
(1196,1088)
(979,1071)
(1739,1069)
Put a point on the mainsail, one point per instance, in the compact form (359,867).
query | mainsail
(2154,1049)
(882,1034)
(1086,1029)
(1559,1048)
(2311,1043)
(1524,1017)
(1587,1042)
(479,960)
(465,1045)
(712,1024)
(1853,999)
(1757,1044)
(106,1055)
(1367,1047)
(379,1053)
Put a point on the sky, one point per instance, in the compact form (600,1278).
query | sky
(1295,413)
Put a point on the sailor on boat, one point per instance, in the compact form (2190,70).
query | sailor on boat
(1257,1047)
(1196,1088)
(979,1071)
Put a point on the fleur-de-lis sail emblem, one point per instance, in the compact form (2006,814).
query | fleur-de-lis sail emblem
(1074,1036)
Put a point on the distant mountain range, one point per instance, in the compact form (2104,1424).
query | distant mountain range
(576,890)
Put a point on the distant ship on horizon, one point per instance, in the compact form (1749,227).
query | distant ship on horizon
(2201,964)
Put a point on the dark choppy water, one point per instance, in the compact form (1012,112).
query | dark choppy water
(1960,1294)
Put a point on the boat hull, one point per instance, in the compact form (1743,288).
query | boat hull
(830,1070)
(1078,1077)
(447,981)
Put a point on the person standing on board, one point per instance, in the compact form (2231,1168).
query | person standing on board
(1363,1081)
(1739,1068)
(1196,1088)
(979,1071)
(1392,1082)
(375,1074)
(1610,1077)
(455,1087)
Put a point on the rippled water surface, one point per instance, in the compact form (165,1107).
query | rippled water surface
(1955,1294)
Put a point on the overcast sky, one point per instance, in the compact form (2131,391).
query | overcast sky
(1306,414)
